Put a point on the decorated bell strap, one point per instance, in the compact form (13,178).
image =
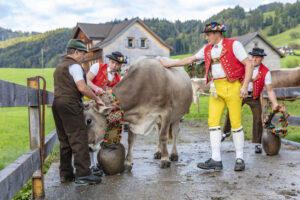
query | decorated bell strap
(278,131)
(114,120)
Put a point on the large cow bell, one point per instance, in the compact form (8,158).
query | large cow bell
(111,159)
(271,143)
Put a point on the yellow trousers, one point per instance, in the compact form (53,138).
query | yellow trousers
(228,94)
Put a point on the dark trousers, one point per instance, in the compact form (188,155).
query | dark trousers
(257,128)
(72,134)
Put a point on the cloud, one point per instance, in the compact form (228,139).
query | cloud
(43,15)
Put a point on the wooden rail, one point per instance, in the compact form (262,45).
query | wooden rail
(30,165)
(15,175)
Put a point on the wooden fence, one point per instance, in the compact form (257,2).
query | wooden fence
(29,165)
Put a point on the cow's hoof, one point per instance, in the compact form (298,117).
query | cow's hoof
(157,155)
(127,168)
(174,157)
(165,164)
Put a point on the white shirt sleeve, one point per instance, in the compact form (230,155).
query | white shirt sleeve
(94,68)
(268,79)
(200,54)
(239,51)
(76,72)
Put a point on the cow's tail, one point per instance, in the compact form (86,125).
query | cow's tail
(170,133)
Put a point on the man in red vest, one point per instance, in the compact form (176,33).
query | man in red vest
(228,68)
(261,77)
(103,75)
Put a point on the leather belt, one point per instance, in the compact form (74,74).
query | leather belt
(215,61)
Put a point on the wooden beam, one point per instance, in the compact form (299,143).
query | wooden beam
(15,175)
(15,95)
(288,92)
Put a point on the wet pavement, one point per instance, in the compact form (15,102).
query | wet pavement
(265,177)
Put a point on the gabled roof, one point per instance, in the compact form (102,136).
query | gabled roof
(245,39)
(107,33)
(93,31)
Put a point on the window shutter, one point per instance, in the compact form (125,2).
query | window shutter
(148,44)
(136,43)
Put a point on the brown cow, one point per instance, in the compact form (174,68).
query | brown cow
(152,97)
(286,77)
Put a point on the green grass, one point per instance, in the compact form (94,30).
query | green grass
(20,76)
(14,131)
(181,56)
(290,61)
(293,108)
(283,38)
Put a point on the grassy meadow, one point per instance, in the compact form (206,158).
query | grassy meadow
(14,131)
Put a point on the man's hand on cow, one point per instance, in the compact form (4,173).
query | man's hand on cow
(164,63)
(99,91)
(243,92)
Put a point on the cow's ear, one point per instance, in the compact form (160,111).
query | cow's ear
(104,110)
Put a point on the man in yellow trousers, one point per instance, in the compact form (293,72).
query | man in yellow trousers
(229,71)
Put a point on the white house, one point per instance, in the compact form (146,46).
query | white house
(132,38)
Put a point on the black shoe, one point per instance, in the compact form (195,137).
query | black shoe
(239,165)
(258,148)
(67,179)
(96,171)
(211,164)
(88,180)
(225,135)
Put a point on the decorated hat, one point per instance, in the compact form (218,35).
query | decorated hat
(117,56)
(76,44)
(214,27)
(257,52)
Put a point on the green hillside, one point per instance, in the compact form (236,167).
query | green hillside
(285,37)
(280,23)
(6,34)
(26,52)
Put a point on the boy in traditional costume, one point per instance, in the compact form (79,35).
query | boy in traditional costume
(229,70)
(103,75)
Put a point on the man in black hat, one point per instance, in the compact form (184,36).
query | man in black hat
(99,77)
(67,108)
(261,77)
(228,68)
(103,75)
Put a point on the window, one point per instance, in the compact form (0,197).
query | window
(130,43)
(143,43)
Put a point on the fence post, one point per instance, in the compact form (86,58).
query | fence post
(34,116)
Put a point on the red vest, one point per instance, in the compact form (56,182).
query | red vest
(232,67)
(259,81)
(101,79)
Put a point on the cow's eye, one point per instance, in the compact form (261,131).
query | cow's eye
(88,121)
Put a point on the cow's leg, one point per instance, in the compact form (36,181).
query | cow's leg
(157,155)
(163,137)
(128,161)
(175,132)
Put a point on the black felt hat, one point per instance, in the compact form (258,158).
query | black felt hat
(117,56)
(257,52)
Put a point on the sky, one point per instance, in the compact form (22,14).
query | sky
(45,15)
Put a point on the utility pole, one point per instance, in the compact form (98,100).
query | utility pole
(42,58)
